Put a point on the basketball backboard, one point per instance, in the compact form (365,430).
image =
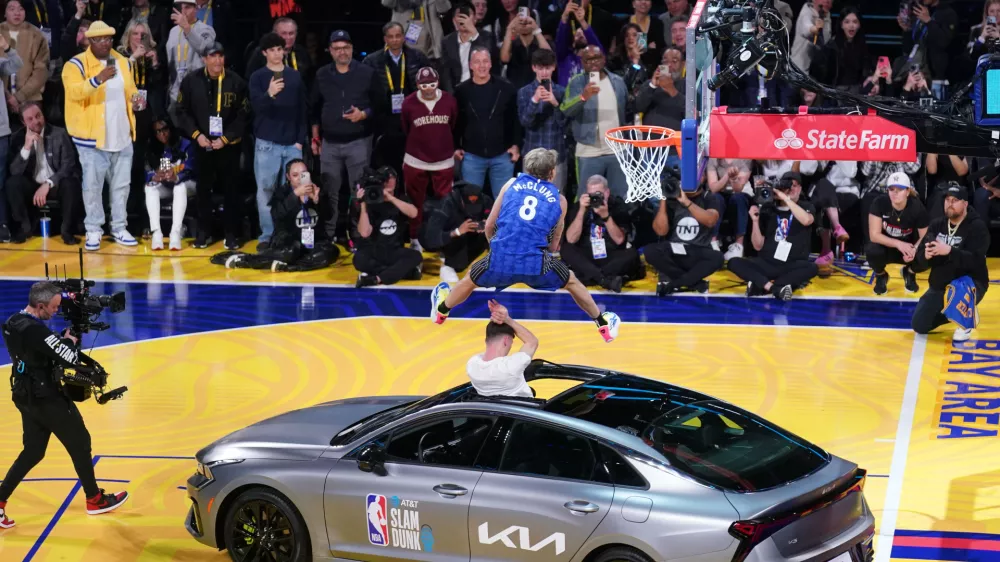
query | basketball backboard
(700,67)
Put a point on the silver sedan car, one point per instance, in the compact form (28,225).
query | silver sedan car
(616,468)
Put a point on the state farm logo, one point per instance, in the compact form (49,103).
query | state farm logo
(841,140)
(789,139)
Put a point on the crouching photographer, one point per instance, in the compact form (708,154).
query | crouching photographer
(595,244)
(782,264)
(455,226)
(296,243)
(380,226)
(45,402)
(686,258)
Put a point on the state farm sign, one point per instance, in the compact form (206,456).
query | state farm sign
(810,137)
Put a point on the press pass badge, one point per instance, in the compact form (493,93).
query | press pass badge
(305,220)
(48,35)
(678,249)
(413,32)
(215,126)
(397,103)
(782,251)
(597,245)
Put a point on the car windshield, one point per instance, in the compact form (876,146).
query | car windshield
(710,440)
(396,412)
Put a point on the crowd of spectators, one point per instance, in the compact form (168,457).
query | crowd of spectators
(140,96)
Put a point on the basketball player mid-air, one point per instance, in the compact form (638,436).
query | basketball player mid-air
(526,221)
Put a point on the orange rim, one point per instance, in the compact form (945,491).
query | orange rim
(670,136)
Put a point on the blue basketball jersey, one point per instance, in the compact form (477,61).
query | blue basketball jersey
(528,213)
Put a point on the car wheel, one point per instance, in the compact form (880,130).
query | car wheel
(262,525)
(621,554)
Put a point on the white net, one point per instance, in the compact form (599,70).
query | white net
(642,162)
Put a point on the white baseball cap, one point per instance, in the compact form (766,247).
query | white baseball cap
(899,179)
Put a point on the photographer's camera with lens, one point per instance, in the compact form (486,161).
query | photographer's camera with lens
(670,182)
(764,191)
(596,200)
(373,183)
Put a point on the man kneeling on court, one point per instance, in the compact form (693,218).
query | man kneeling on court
(494,372)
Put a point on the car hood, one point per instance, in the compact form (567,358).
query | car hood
(300,434)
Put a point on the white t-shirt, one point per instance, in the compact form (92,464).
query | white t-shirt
(118,131)
(503,376)
(607,119)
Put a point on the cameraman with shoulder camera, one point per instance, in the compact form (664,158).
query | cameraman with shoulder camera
(379,217)
(686,258)
(456,227)
(38,356)
(782,263)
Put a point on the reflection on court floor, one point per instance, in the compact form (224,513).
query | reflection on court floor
(204,359)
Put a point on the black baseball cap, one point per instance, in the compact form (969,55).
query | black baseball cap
(957,191)
(788,177)
(340,36)
(215,48)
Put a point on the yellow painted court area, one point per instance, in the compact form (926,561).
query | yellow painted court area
(841,388)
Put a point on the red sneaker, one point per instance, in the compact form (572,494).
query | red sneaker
(5,522)
(103,503)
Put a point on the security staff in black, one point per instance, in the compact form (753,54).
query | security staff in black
(212,110)
(686,258)
(38,356)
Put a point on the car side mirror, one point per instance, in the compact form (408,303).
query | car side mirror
(372,459)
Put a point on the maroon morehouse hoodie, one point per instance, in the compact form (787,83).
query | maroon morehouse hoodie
(430,143)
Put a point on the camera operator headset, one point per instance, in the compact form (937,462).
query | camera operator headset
(686,258)
(39,357)
(782,264)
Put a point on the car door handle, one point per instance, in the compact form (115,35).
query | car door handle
(580,506)
(450,490)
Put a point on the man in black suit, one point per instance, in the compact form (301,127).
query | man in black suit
(44,166)
(458,45)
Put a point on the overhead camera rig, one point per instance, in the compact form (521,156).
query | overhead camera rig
(749,35)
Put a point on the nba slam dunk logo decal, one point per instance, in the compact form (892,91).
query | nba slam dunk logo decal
(397,526)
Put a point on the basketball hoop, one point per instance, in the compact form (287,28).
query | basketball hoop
(642,152)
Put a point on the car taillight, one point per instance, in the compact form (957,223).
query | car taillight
(752,533)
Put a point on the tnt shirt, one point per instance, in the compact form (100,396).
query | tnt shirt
(686,229)
(901,225)
(783,226)
(390,227)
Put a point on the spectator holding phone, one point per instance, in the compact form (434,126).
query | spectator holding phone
(538,109)
(278,97)
(928,31)
(986,34)
(522,38)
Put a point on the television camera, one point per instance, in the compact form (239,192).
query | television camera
(81,308)
(748,35)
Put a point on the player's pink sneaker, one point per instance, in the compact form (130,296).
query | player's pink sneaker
(610,330)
